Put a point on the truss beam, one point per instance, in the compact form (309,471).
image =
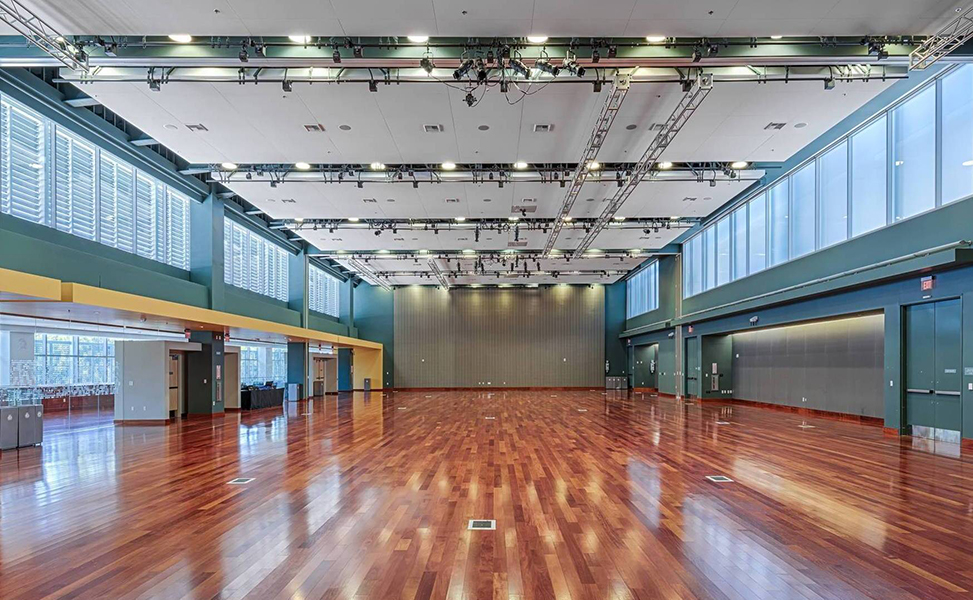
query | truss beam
(38,33)
(366,273)
(434,267)
(688,104)
(949,38)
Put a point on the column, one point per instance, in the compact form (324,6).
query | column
(206,260)
(206,374)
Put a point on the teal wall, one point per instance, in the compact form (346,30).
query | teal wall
(668,292)
(374,317)
(616,353)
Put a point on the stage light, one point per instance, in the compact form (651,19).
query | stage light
(665,165)
(377,166)
(542,64)
(336,56)
(448,166)
(574,68)
(287,86)
(373,86)
(463,69)
(427,64)
(655,39)
(520,165)
(518,67)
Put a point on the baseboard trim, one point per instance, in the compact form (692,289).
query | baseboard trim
(646,390)
(143,422)
(966,444)
(891,431)
(218,415)
(811,412)
(232,410)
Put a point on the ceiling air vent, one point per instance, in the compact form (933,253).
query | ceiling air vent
(522,244)
(288,201)
(689,199)
(463,239)
(530,200)
(398,239)
(656,126)
(522,209)
(314,128)
(438,128)
(197,127)
(543,128)
(772,125)
(452,200)
(369,200)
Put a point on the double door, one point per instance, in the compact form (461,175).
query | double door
(692,367)
(933,369)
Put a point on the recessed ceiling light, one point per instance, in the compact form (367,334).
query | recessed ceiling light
(344,127)
(303,166)
(418,39)
(469,251)
(182,38)
(655,39)
(484,127)
(739,164)
(377,166)
(776,37)
(448,166)
(353,219)
(300,39)
(619,218)
(594,165)
(665,165)
(800,125)
(460,219)
(631,126)
(518,218)
(171,126)
(520,165)
(229,166)
(536,39)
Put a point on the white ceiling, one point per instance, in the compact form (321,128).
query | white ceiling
(262,124)
(494,17)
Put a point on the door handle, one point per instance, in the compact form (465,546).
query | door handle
(947,393)
(911,391)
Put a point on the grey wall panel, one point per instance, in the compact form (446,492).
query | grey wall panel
(833,365)
(499,337)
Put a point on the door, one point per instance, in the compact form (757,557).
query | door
(645,366)
(175,379)
(692,367)
(933,352)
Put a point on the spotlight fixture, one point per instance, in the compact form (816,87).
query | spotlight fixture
(155,85)
(448,166)
(596,86)
(573,67)
(665,165)
(427,64)
(829,83)
(739,164)
(595,57)
(504,87)
(361,185)
(470,99)
(697,55)
(518,67)
(372,86)
(776,37)
(181,38)
(655,39)
(287,86)
(520,165)
(302,166)
(244,56)
(490,57)
(545,65)
(336,56)
(463,69)
(460,219)
(378,232)
(594,165)
(481,72)
(612,51)
(353,219)
(876,48)
(357,51)
(418,39)
(377,166)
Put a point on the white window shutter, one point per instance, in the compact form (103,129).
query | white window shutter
(74,186)
(23,187)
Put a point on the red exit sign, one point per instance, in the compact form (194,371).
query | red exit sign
(926,283)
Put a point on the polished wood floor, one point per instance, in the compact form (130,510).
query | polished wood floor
(595,496)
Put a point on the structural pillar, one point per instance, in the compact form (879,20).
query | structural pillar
(206,260)
(297,368)
(206,374)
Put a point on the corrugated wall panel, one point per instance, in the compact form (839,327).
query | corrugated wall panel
(499,337)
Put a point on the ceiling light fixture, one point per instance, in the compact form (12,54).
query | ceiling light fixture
(303,166)
(463,69)
(619,218)
(460,219)
(377,166)
(353,219)
(776,37)
(655,39)
(518,218)
(448,166)
(594,165)
(739,164)
(300,39)
(566,218)
(536,39)
(665,165)
(181,38)
(520,165)
(229,166)
(418,39)
(427,64)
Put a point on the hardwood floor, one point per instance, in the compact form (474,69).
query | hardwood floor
(595,496)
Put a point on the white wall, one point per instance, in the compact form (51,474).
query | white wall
(143,381)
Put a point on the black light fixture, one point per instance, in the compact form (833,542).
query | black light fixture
(336,56)
(490,57)
(829,83)
(244,56)
(155,85)
(574,68)
(596,86)
(372,86)
(697,55)
(612,51)
(595,56)
(481,72)
(470,99)
(463,69)
(518,67)
(545,65)
(427,64)
(357,51)
(287,86)
(504,88)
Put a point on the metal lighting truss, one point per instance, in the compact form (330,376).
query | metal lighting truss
(949,38)
(439,274)
(36,31)
(368,275)
(488,256)
(595,141)
(691,100)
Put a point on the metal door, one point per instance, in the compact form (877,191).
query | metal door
(933,352)
(645,366)
(692,367)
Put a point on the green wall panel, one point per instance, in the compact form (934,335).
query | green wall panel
(373,311)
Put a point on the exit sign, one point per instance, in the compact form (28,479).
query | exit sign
(926,283)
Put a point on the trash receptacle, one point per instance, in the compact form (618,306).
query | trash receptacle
(368,384)
(38,420)
(25,431)
(9,426)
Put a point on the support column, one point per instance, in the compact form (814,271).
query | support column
(346,304)
(967,432)
(206,260)
(297,265)
(206,374)
(345,357)
(297,367)
(892,382)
